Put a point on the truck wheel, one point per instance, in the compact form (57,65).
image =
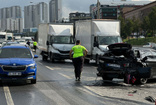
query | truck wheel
(86,61)
(97,59)
(44,58)
(51,57)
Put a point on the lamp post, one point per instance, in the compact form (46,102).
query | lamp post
(98,11)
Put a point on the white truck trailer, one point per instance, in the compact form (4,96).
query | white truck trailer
(96,35)
(55,41)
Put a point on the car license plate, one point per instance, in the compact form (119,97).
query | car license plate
(14,74)
(114,65)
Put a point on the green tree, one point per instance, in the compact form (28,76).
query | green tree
(136,25)
(152,19)
(122,24)
(145,25)
(128,27)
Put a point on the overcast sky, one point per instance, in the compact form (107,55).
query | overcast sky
(69,6)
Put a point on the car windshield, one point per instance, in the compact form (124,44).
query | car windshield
(62,39)
(15,53)
(107,40)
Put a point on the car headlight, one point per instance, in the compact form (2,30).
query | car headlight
(32,66)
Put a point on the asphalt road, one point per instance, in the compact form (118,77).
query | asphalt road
(56,85)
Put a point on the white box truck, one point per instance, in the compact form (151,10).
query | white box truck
(55,41)
(96,35)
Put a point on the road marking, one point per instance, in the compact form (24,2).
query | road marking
(65,76)
(8,97)
(51,94)
(40,63)
(49,67)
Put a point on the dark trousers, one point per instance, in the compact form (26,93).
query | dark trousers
(78,65)
(35,48)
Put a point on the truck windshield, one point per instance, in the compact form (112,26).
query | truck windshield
(107,40)
(63,39)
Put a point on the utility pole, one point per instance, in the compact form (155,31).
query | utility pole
(98,11)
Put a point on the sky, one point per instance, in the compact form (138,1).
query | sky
(69,6)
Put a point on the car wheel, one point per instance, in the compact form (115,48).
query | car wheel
(0,82)
(143,80)
(33,81)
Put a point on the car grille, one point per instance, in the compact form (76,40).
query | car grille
(14,68)
(64,51)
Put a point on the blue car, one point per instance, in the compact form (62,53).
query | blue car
(17,63)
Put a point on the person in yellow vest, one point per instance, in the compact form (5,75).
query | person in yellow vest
(35,45)
(78,58)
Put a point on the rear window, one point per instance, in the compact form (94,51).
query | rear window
(15,53)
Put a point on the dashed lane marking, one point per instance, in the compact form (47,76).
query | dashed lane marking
(49,67)
(65,76)
(40,63)
(8,97)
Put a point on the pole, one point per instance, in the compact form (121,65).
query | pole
(98,11)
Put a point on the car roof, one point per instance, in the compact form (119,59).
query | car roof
(16,46)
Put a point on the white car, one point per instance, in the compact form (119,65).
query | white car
(149,44)
(22,42)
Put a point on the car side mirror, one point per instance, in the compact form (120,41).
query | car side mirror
(35,56)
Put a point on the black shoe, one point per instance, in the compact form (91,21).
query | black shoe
(78,79)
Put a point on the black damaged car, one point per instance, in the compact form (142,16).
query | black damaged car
(120,61)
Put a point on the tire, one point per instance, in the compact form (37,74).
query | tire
(33,81)
(1,83)
(51,57)
(143,80)
(44,58)
(97,59)
(86,61)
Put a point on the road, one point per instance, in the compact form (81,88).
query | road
(56,85)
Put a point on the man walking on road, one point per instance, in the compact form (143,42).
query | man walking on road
(35,45)
(78,58)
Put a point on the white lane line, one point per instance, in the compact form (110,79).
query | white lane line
(8,97)
(51,94)
(40,63)
(65,76)
(49,67)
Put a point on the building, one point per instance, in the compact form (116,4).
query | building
(35,14)
(141,12)
(104,11)
(79,16)
(55,11)
(111,11)
(11,19)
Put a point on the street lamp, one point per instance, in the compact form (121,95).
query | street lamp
(98,11)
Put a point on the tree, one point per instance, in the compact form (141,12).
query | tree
(145,25)
(152,19)
(128,27)
(122,24)
(136,25)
